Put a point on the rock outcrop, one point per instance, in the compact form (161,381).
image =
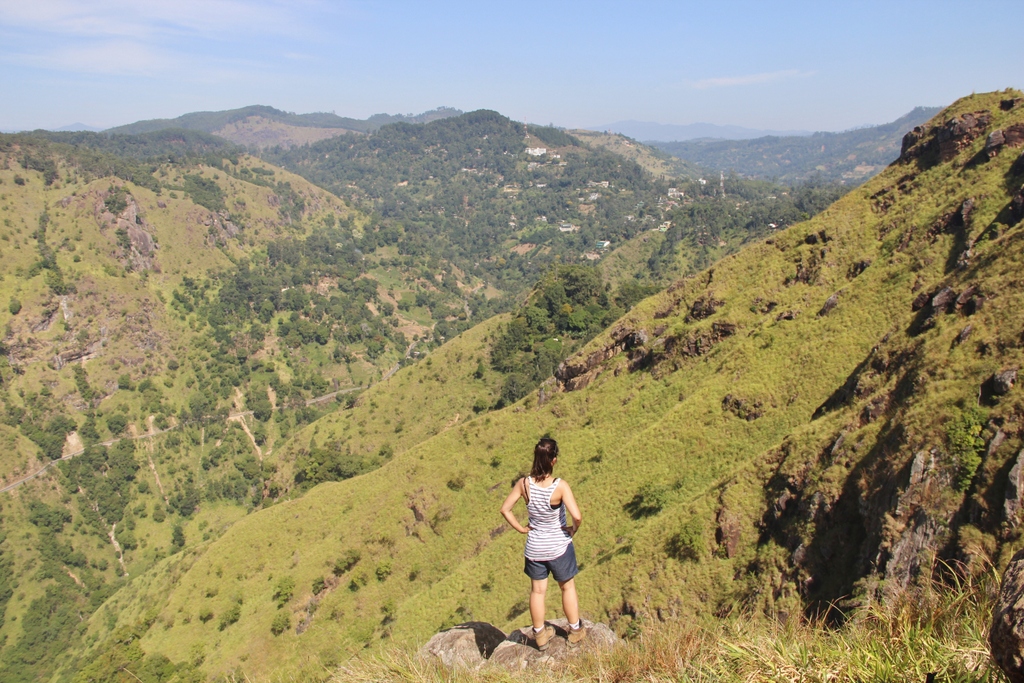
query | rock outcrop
(1006,638)
(476,645)
(947,140)
(1012,499)
(467,645)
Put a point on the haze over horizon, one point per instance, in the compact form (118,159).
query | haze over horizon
(801,67)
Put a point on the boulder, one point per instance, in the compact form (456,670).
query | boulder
(703,307)
(518,652)
(477,644)
(1003,381)
(466,645)
(829,305)
(944,300)
(1006,638)
(959,131)
(1014,488)
(1017,204)
(995,140)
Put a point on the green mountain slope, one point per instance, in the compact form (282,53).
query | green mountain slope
(797,424)
(849,157)
(167,326)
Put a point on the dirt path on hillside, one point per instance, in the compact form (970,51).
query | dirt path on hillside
(240,419)
(152,467)
(117,547)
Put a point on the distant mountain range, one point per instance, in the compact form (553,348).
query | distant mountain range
(77,127)
(263,126)
(647,130)
(848,157)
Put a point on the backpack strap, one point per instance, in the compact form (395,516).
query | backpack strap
(526,489)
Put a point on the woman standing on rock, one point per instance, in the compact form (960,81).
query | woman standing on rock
(548,540)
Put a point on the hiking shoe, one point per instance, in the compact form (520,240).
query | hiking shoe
(543,639)
(576,635)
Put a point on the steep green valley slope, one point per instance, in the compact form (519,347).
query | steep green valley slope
(167,326)
(827,417)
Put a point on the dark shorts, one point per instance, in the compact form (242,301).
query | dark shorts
(562,567)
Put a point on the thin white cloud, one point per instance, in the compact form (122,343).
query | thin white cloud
(114,57)
(750,79)
(209,40)
(149,18)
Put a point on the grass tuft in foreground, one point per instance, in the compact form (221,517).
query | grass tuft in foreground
(943,631)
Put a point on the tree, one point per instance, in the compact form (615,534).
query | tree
(178,537)
(514,388)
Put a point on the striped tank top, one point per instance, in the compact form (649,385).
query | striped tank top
(547,538)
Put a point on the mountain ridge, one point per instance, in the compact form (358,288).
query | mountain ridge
(849,156)
(678,132)
(210,121)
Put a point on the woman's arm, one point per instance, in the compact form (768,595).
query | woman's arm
(571,507)
(506,508)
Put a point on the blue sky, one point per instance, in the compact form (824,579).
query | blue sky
(786,65)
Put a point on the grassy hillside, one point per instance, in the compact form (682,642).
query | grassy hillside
(790,417)
(849,157)
(653,160)
(126,351)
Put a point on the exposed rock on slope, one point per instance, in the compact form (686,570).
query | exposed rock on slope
(474,645)
(1007,634)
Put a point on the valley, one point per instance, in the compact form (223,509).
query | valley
(279,390)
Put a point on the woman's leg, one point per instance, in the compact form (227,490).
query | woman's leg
(570,602)
(538,593)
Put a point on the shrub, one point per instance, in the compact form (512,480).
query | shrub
(282,622)
(963,434)
(318,585)
(383,570)
(14,307)
(233,614)
(116,200)
(205,614)
(126,537)
(346,562)
(177,535)
(688,543)
(648,501)
(284,590)
(116,423)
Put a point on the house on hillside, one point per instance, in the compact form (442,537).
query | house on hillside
(568,227)
(603,244)
(536,151)
(674,193)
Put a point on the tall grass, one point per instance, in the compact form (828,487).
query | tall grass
(943,631)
